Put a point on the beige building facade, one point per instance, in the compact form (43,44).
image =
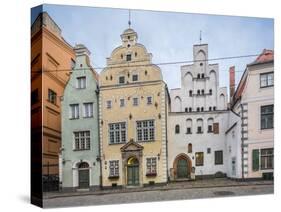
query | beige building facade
(133,107)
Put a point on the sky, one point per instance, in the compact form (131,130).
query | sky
(169,36)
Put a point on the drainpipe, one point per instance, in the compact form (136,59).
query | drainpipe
(99,143)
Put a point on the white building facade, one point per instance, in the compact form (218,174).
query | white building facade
(198,122)
(254,102)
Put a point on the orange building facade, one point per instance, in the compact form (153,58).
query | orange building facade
(51,61)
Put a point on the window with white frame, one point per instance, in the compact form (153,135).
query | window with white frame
(122,102)
(135,101)
(81,82)
(82,140)
(267,116)
(52,96)
(149,100)
(145,130)
(117,133)
(266,79)
(199,126)
(210,123)
(108,104)
(151,166)
(114,168)
(267,158)
(188,126)
(88,109)
(74,111)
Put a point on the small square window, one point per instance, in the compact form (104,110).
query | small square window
(135,77)
(208,150)
(108,104)
(128,57)
(135,101)
(81,82)
(121,80)
(122,102)
(149,100)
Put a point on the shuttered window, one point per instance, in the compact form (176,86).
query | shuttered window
(216,128)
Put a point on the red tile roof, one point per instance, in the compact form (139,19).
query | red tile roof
(266,56)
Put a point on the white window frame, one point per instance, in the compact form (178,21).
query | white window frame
(81,141)
(149,169)
(135,105)
(117,133)
(266,80)
(147,102)
(108,104)
(81,82)
(88,109)
(113,165)
(76,114)
(147,132)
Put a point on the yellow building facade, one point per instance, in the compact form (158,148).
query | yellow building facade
(133,107)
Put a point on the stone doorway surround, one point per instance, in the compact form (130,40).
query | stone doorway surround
(182,156)
(132,149)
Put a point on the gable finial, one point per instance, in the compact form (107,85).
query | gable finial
(129,22)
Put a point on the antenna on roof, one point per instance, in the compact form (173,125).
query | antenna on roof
(129,22)
(200,36)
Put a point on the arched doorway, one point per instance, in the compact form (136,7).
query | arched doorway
(133,171)
(83,175)
(182,167)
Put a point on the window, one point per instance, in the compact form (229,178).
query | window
(202,109)
(186,110)
(190,93)
(267,117)
(81,82)
(145,130)
(88,110)
(151,166)
(198,92)
(210,108)
(255,159)
(202,92)
(121,80)
(74,111)
(34,96)
(202,75)
(190,109)
(108,104)
(177,129)
(267,158)
(114,168)
(210,123)
(52,96)
(198,109)
(117,133)
(214,108)
(135,101)
(198,76)
(135,77)
(266,80)
(218,157)
(82,140)
(216,128)
(128,57)
(199,125)
(189,148)
(208,150)
(149,100)
(210,91)
(122,102)
(199,158)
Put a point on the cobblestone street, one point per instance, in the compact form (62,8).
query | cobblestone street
(175,191)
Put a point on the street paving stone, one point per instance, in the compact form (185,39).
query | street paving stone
(172,191)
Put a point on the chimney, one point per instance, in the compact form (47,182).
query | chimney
(231,81)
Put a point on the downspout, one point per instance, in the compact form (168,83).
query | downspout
(166,120)
(99,143)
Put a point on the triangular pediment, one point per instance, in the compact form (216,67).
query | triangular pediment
(131,146)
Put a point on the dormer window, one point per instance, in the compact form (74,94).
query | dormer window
(128,57)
